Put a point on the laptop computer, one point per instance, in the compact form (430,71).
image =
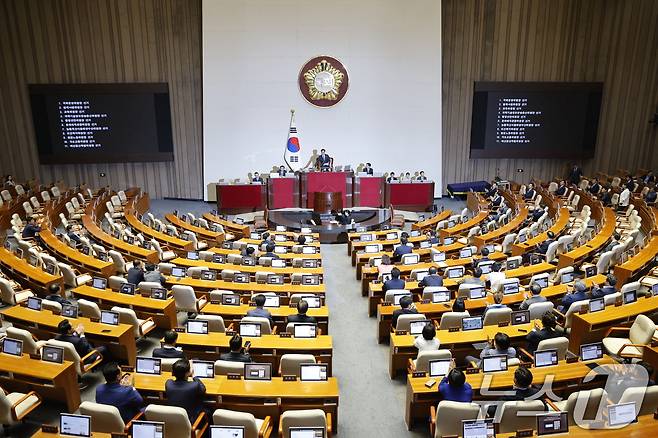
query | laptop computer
(495,363)
(34,303)
(69,311)
(512,264)
(545,358)
(309,263)
(280,250)
(510,288)
(591,351)
(308,250)
(520,317)
(75,425)
(596,304)
(127,288)
(178,272)
(203,369)
(455,272)
(109,317)
(258,371)
(230,300)
(304,330)
(566,278)
(148,429)
(310,280)
(278,263)
(275,279)
(439,367)
(621,414)
(159,293)
(148,365)
(398,297)
(12,346)
(465,253)
(475,293)
(250,329)
(416,327)
(542,282)
(313,302)
(471,323)
(441,296)
(196,327)
(50,353)
(272,301)
(439,257)
(630,296)
(554,422)
(209,275)
(312,372)
(483,428)
(99,283)
(241,277)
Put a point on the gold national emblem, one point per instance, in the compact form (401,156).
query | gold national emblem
(323,81)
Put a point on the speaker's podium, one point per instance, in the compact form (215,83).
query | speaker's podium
(326,182)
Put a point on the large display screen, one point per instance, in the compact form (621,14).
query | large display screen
(535,119)
(102,123)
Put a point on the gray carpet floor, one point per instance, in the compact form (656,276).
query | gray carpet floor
(371,404)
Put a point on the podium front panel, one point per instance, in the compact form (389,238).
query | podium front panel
(283,192)
(240,198)
(326,182)
(410,196)
(368,191)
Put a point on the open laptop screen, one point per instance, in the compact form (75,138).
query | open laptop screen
(492,364)
(478,428)
(557,422)
(312,372)
(148,429)
(75,425)
(623,413)
(226,431)
(591,351)
(439,367)
(545,358)
(148,365)
(258,371)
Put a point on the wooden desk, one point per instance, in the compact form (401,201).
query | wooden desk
(558,227)
(213,238)
(646,426)
(29,276)
(419,398)
(140,204)
(256,397)
(591,327)
(237,230)
(600,239)
(500,233)
(74,257)
(465,226)
(40,434)
(287,243)
(163,312)
(638,262)
(233,314)
(267,348)
(432,222)
(459,343)
(288,271)
(286,256)
(52,381)
(202,286)
(119,339)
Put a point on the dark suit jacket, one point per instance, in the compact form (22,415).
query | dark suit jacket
(125,398)
(529,194)
(282,172)
(369,171)
(651,197)
(595,188)
(261,313)
(561,190)
(187,395)
(30,231)
(519,395)
(571,298)
(431,280)
(398,312)
(323,162)
(135,276)
(74,237)
(235,357)
(497,201)
(168,353)
(393,283)
(400,251)
(82,346)
(543,247)
(536,336)
(302,318)
(601,292)
(575,174)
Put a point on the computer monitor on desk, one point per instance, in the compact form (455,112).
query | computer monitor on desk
(227,432)
(478,428)
(544,358)
(148,365)
(148,429)
(75,425)
(555,422)
(491,364)
(439,367)
(306,432)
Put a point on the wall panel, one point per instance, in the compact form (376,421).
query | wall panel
(78,41)
(611,41)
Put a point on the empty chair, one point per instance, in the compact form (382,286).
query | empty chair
(464,289)
(289,365)
(195,271)
(452,319)
(304,418)
(186,300)
(457,412)
(115,282)
(506,245)
(592,400)
(261,276)
(647,398)
(30,344)
(192,238)
(428,291)
(496,316)
(72,356)
(15,406)
(639,335)
(512,417)
(177,423)
(224,367)
(560,272)
(265,327)
(45,196)
(422,361)
(12,296)
(404,321)
(88,309)
(119,263)
(574,308)
(53,306)
(206,256)
(148,286)
(215,322)
(561,344)
(55,191)
(603,264)
(538,309)
(253,427)
(72,277)
(410,259)
(6,196)
(104,418)
(217,294)
(165,268)
(141,327)
(610,299)
(391,293)
(163,254)
(228,274)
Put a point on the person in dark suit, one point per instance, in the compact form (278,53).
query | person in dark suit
(136,273)
(395,282)
(248,251)
(607,289)
(237,353)
(368,170)
(530,192)
(575,174)
(302,317)
(432,278)
(119,392)
(542,248)
(432,237)
(595,188)
(606,195)
(536,297)
(402,249)
(323,162)
(421,176)
(267,239)
(577,294)
(649,178)
(269,251)
(651,196)
(630,183)
(561,189)
(260,310)
(282,171)
(484,253)
(523,389)
(406,308)
(492,190)
(31,230)
(169,349)
(73,235)
(497,200)
(79,341)
(548,331)
(391,178)
(257,178)
(153,275)
(184,393)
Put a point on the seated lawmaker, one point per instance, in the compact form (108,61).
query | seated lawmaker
(260,311)
(154,275)
(395,282)
(577,294)
(497,304)
(237,353)
(548,331)
(402,249)
(323,162)
(523,389)
(484,253)
(530,192)
(282,171)
(536,297)
(368,170)
(269,251)
(432,278)
(542,248)
(476,279)
(500,346)
(77,338)
(595,188)
(386,266)
(73,235)
(427,340)
(169,349)
(302,317)
(607,289)
(31,230)
(651,196)
(119,392)
(257,178)
(432,237)
(561,188)
(421,176)
(183,393)
(453,387)
(135,273)
(406,308)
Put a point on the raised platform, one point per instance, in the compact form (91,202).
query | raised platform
(330,232)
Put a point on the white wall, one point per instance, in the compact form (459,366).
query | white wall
(253,51)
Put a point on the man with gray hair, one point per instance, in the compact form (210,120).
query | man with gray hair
(535,298)
(577,294)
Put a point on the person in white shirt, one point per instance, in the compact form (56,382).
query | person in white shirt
(427,341)
(496,277)
(624,198)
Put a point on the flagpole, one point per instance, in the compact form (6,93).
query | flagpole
(292,114)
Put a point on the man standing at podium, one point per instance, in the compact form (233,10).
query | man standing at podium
(323,162)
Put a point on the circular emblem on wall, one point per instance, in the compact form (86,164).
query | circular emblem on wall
(323,81)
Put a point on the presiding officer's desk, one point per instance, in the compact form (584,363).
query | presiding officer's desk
(266,348)
(29,276)
(201,287)
(592,327)
(119,339)
(51,381)
(233,314)
(419,397)
(163,312)
(260,398)
(459,343)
